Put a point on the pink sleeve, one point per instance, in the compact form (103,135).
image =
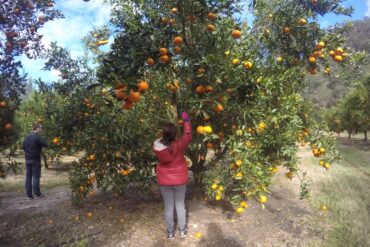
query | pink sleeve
(184,141)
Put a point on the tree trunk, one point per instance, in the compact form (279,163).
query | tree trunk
(349,135)
(45,161)
(365,133)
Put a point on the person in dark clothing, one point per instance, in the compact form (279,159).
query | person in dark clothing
(32,146)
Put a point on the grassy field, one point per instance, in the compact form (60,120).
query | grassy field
(345,192)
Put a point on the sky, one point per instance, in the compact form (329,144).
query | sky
(81,17)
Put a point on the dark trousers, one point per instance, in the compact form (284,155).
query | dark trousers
(33,174)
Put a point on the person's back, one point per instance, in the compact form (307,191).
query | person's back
(32,147)
(172,174)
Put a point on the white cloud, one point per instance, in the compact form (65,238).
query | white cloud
(368,8)
(80,18)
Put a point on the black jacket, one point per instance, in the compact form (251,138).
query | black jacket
(32,146)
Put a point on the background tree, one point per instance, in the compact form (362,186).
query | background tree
(20,21)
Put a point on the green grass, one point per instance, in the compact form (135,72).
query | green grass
(345,190)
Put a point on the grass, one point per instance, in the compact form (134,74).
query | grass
(49,179)
(345,191)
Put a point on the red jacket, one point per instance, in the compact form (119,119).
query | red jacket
(172,168)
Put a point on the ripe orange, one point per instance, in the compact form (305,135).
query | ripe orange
(209,145)
(163,51)
(120,94)
(3,103)
(188,81)
(209,89)
(142,86)
(200,89)
(238,176)
(302,21)
(236,34)
(164,58)
(89,214)
(177,50)
(150,61)
(192,18)
(248,65)
(178,40)
(312,59)
(331,53)
(235,61)
(56,140)
(286,29)
(8,126)
(134,96)
(320,45)
(174,11)
(219,108)
(339,51)
(211,28)
(200,130)
(211,16)
(338,58)
(263,199)
(239,210)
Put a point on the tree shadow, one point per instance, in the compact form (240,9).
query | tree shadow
(216,238)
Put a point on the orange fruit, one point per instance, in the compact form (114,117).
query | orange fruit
(320,45)
(219,108)
(89,214)
(339,51)
(120,94)
(287,29)
(163,51)
(3,103)
(263,199)
(177,50)
(200,89)
(164,58)
(177,40)
(279,59)
(174,11)
(338,58)
(235,61)
(142,86)
(209,89)
(134,96)
(211,16)
(302,21)
(191,18)
(209,145)
(312,59)
(56,140)
(8,126)
(188,81)
(211,28)
(248,65)
(150,61)
(200,130)
(236,34)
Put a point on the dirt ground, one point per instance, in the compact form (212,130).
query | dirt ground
(137,220)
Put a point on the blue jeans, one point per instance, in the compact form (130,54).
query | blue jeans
(174,197)
(33,174)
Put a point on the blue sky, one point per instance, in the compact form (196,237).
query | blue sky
(81,17)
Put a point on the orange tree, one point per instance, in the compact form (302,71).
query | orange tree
(20,21)
(241,83)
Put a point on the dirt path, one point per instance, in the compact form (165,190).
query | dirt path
(133,221)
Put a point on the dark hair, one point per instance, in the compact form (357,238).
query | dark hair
(36,126)
(168,133)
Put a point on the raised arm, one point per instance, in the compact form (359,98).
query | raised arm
(187,136)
